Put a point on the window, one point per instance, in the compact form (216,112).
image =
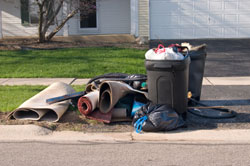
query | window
(25,12)
(29,11)
(88,16)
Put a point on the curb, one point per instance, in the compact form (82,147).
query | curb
(241,135)
(36,133)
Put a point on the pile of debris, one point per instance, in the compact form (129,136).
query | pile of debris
(157,101)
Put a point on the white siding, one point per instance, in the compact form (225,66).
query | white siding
(113,17)
(65,29)
(11,20)
(192,19)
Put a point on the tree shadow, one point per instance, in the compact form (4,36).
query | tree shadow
(238,102)
(242,119)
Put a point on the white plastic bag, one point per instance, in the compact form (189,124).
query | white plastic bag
(172,55)
(162,53)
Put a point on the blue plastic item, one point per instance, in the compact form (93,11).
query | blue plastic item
(136,106)
(138,124)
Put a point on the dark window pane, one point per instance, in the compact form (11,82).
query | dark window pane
(88,21)
(88,14)
(29,12)
(25,11)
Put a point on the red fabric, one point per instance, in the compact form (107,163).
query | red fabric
(84,105)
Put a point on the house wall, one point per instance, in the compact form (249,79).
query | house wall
(11,20)
(113,18)
(0,23)
(143,18)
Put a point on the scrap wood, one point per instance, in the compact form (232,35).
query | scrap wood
(65,97)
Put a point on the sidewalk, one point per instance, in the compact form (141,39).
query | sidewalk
(41,81)
(78,81)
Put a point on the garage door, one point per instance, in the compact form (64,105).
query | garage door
(192,19)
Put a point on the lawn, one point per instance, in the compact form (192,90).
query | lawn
(13,96)
(74,62)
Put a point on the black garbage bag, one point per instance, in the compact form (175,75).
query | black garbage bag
(152,118)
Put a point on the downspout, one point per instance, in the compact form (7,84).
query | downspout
(134,17)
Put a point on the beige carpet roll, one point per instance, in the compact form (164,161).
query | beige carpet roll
(111,92)
(36,107)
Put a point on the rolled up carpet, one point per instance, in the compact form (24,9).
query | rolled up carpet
(111,92)
(36,107)
(90,87)
(87,103)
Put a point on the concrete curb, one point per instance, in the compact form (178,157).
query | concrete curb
(36,133)
(241,135)
(48,81)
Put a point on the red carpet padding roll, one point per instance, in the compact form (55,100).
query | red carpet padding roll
(87,104)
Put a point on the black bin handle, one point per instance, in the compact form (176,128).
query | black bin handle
(162,66)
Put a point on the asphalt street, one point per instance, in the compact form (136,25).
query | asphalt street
(92,153)
(236,98)
(227,64)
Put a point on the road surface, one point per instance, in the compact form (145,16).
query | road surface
(123,153)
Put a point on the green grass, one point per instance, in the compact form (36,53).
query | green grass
(77,62)
(13,96)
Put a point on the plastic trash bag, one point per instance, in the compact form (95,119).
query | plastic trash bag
(162,53)
(152,118)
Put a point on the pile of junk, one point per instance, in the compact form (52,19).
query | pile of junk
(158,101)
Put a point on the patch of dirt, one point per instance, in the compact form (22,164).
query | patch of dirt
(72,121)
(32,43)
